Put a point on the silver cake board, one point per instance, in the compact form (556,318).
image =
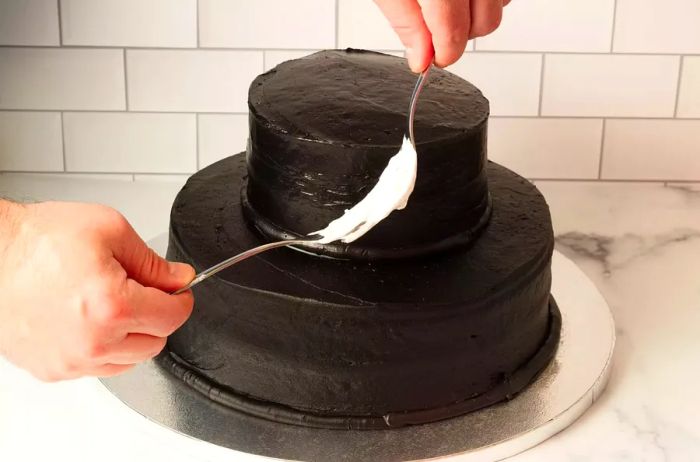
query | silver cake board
(562,392)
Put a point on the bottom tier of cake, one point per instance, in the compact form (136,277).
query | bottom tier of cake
(332,343)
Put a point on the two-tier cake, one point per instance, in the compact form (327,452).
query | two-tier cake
(441,309)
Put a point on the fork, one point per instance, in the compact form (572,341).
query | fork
(209,272)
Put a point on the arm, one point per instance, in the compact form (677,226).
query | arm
(81,292)
(440,27)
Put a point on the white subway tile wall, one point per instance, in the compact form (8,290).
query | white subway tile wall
(31,141)
(61,79)
(547,148)
(554,25)
(610,85)
(29,22)
(361,25)
(132,23)
(130,142)
(689,96)
(669,26)
(191,80)
(275,57)
(152,90)
(494,74)
(652,149)
(267,23)
(221,135)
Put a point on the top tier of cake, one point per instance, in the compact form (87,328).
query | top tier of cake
(322,129)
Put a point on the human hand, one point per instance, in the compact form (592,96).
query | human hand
(80,292)
(441,27)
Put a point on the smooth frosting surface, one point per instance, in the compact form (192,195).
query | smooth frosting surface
(346,343)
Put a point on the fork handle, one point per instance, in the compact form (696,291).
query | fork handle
(209,272)
(422,78)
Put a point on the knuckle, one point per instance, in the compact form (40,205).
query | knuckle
(149,262)
(92,348)
(486,26)
(113,218)
(112,309)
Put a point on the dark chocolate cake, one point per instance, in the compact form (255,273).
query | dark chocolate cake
(442,309)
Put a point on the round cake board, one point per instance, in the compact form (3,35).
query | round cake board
(562,392)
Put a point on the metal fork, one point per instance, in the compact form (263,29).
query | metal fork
(209,272)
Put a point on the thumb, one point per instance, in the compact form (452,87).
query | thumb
(144,265)
(406,18)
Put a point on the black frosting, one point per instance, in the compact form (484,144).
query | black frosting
(361,344)
(322,129)
(394,333)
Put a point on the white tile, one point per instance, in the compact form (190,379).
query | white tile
(652,149)
(29,22)
(671,26)
(507,95)
(179,179)
(124,177)
(546,148)
(188,80)
(276,57)
(689,97)
(146,203)
(267,23)
(361,24)
(553,25)
(133,23)
(33,78)
(130,142)
(31,141)
(221,135)
(610,85)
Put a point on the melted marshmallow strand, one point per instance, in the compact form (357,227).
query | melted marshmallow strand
(391,193)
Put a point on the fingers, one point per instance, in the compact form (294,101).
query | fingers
(155,312)
(142,263)
(135,348)
(486,16)
(108,370)
(406,18)
(449,25)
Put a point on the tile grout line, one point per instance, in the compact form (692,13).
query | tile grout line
(196,151)
(678,86)
(63,142)
(612,32)
(482,51)
(337,21)
(126,84)
(496,116)
(196,16)
(539,104)
(602,149)
(493,116)
(60,23)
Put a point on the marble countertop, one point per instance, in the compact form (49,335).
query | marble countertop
(638,242)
